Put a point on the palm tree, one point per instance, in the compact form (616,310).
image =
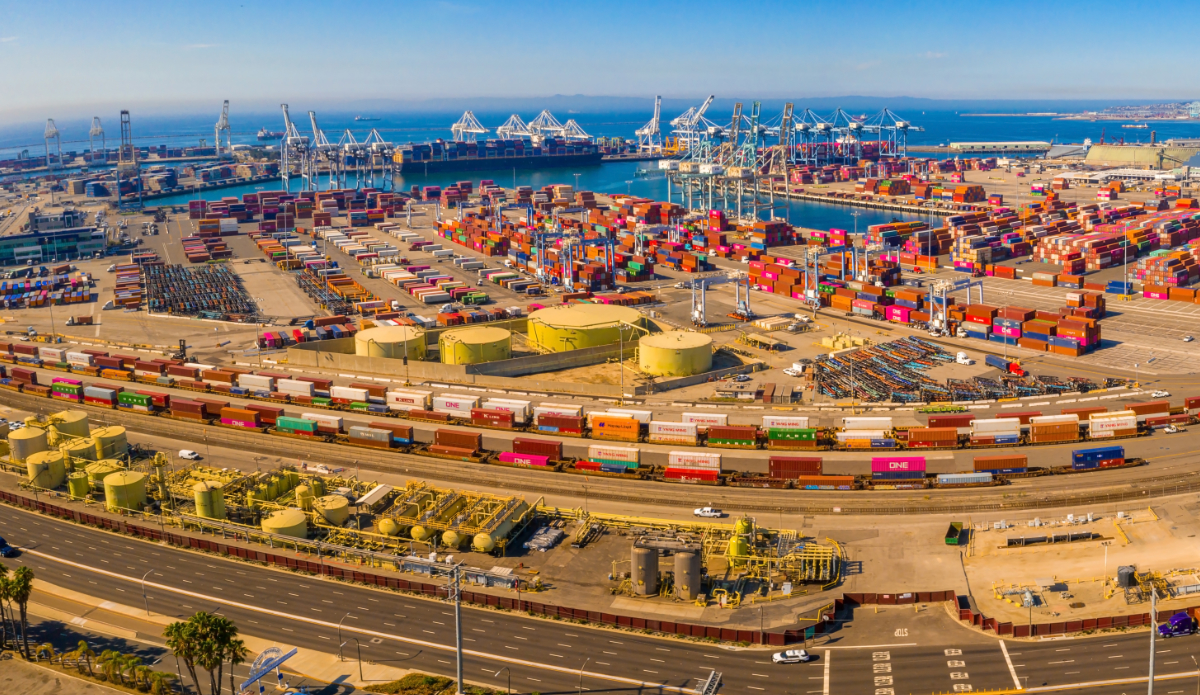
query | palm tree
(110,663)
(159,682)
(237,654)
(84,652)
(3,613)
(184,643)
(130,663)
(21,588)
(43,647)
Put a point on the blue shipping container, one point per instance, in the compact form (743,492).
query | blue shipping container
(1104,453)
(898,475)
(882,443)
(998,471)
(964,478)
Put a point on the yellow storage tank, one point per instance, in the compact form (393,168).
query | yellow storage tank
(452,539)
(25,442)
(46,469)
(391,342)
(334,508)
(483,543)
(420,533)
(389,526)
(125,490)
(475,345)
(287,522)
(318,487)
(98,471)
(78,485)
(675,353)
(111,442)
(210,499)
(576,326)
(304,497)
(81,450)
(72,422)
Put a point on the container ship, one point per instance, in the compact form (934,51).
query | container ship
(446,156)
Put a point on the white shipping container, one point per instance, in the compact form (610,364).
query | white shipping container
(54,355)
(294,387)
(690,440)
(863,434)
(698,460)
(80,358)
(349,393)
(707,419)
(686,429)
(798,423)
(613,453)
(455,404)
(867,423)
(519,409)
(229,224)
(559,410)
(330,420)
(642,416)
(999,426)
(1103,424)
(256,382)
(409,400)
(1054,419)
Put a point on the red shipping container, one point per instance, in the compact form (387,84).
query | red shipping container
(539,447)
(957,420)
(268,413)
(793,466)
(472,441)
(429,415)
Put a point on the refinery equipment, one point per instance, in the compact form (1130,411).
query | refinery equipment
(26,442)
(222,126)
(650,135)
(125,490)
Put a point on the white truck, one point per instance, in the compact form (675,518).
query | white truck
(709,512)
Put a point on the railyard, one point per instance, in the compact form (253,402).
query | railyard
(829,536)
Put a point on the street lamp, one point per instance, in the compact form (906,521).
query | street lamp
(144,599)
(585,663)
(510,670)
(340,642)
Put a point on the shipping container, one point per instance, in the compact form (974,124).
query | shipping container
(1104,453)
(370,436)
(693,460)
(1150,408)
(627,456)
(295,387)
(642,416)
(401,434)
(471,441)
(524,459)
(612,427)
(520,410)
(928,437)
(1004,463)
(824,482)
(673,432)
(954,420)
(456,405)
(561,424)
(793,466)
(890,464)
(557,410)
(998,426)
(540,447)
(705,420)
(780,422)
(734,436)
(293,425)
(268,414)
(491,418)
(867,423)
(980,478)
(331,424)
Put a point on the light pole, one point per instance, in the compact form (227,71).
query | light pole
(144,599)
(1135,373)
(340,642)
(585,663)
(1197,665)
(456,576)
(1105,575)
(1153,635)
(510,670)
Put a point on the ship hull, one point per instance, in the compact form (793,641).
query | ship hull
(499,163)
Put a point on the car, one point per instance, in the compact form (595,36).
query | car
(708,513)
(1188,338)
(1161,394)
(792,656)
(9,551)
(793,372)
(189,455)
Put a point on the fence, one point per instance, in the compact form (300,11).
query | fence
(967,612)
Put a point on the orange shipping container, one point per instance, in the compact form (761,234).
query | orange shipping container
(623,429)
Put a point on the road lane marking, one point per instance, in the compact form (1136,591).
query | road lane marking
(825,687)
(1011,669)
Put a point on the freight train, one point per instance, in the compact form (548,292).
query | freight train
(793,470)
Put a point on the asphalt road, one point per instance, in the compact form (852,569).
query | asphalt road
(897,651)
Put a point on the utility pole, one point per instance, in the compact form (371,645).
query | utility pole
(1153,635)
(455,587)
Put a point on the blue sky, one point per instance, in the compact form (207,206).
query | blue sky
(71,57)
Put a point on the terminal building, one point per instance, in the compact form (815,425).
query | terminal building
(58,236)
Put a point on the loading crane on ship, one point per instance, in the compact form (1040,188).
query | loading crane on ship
(97,131)
(650,135)
(223,126)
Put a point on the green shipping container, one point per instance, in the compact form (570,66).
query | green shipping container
(791,434)
(66,388)
(133,399)
(358,405)
(320,400)
(295,424)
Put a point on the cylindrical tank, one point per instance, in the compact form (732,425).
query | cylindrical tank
(419,533)
(46,469)
(72,422)
(475,345)
(25,442)
(318,487)
(688,575)
(644,571)
(389,526)
(111,442)
(744,526)
(574,326)
(390,341)
(452,539)
(304,497)
(97,471)
(737,551)
(78,485)
(483,543)
(675,353)
(81,450)
(210,499)
(335,509)
(287,522)
(125,490)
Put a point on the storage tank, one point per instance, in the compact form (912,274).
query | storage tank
(46,469)
(81,450)
(644,572)
(287,522)
(304,497)
(210,499)
(483,543)
(391,342)
(452,539)
(389,526)
(97,471)
(111,442)
(487,542)
(475,345)
(125,490)
(318,487)
(25,442)
(419,533)
(688,575)
(575,326)
(334,508)
(71,422)
(78,485)
(675,353)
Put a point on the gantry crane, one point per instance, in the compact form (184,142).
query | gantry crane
(52,134)
(467,128)
(222,126)
(691,127)
(295,150)
(514,128)
(97,131)
(128,166)
(650,135)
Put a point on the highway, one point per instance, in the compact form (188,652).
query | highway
(896,651)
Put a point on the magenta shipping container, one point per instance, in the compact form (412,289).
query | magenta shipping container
(524,459)
(238,423)
(890,464)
